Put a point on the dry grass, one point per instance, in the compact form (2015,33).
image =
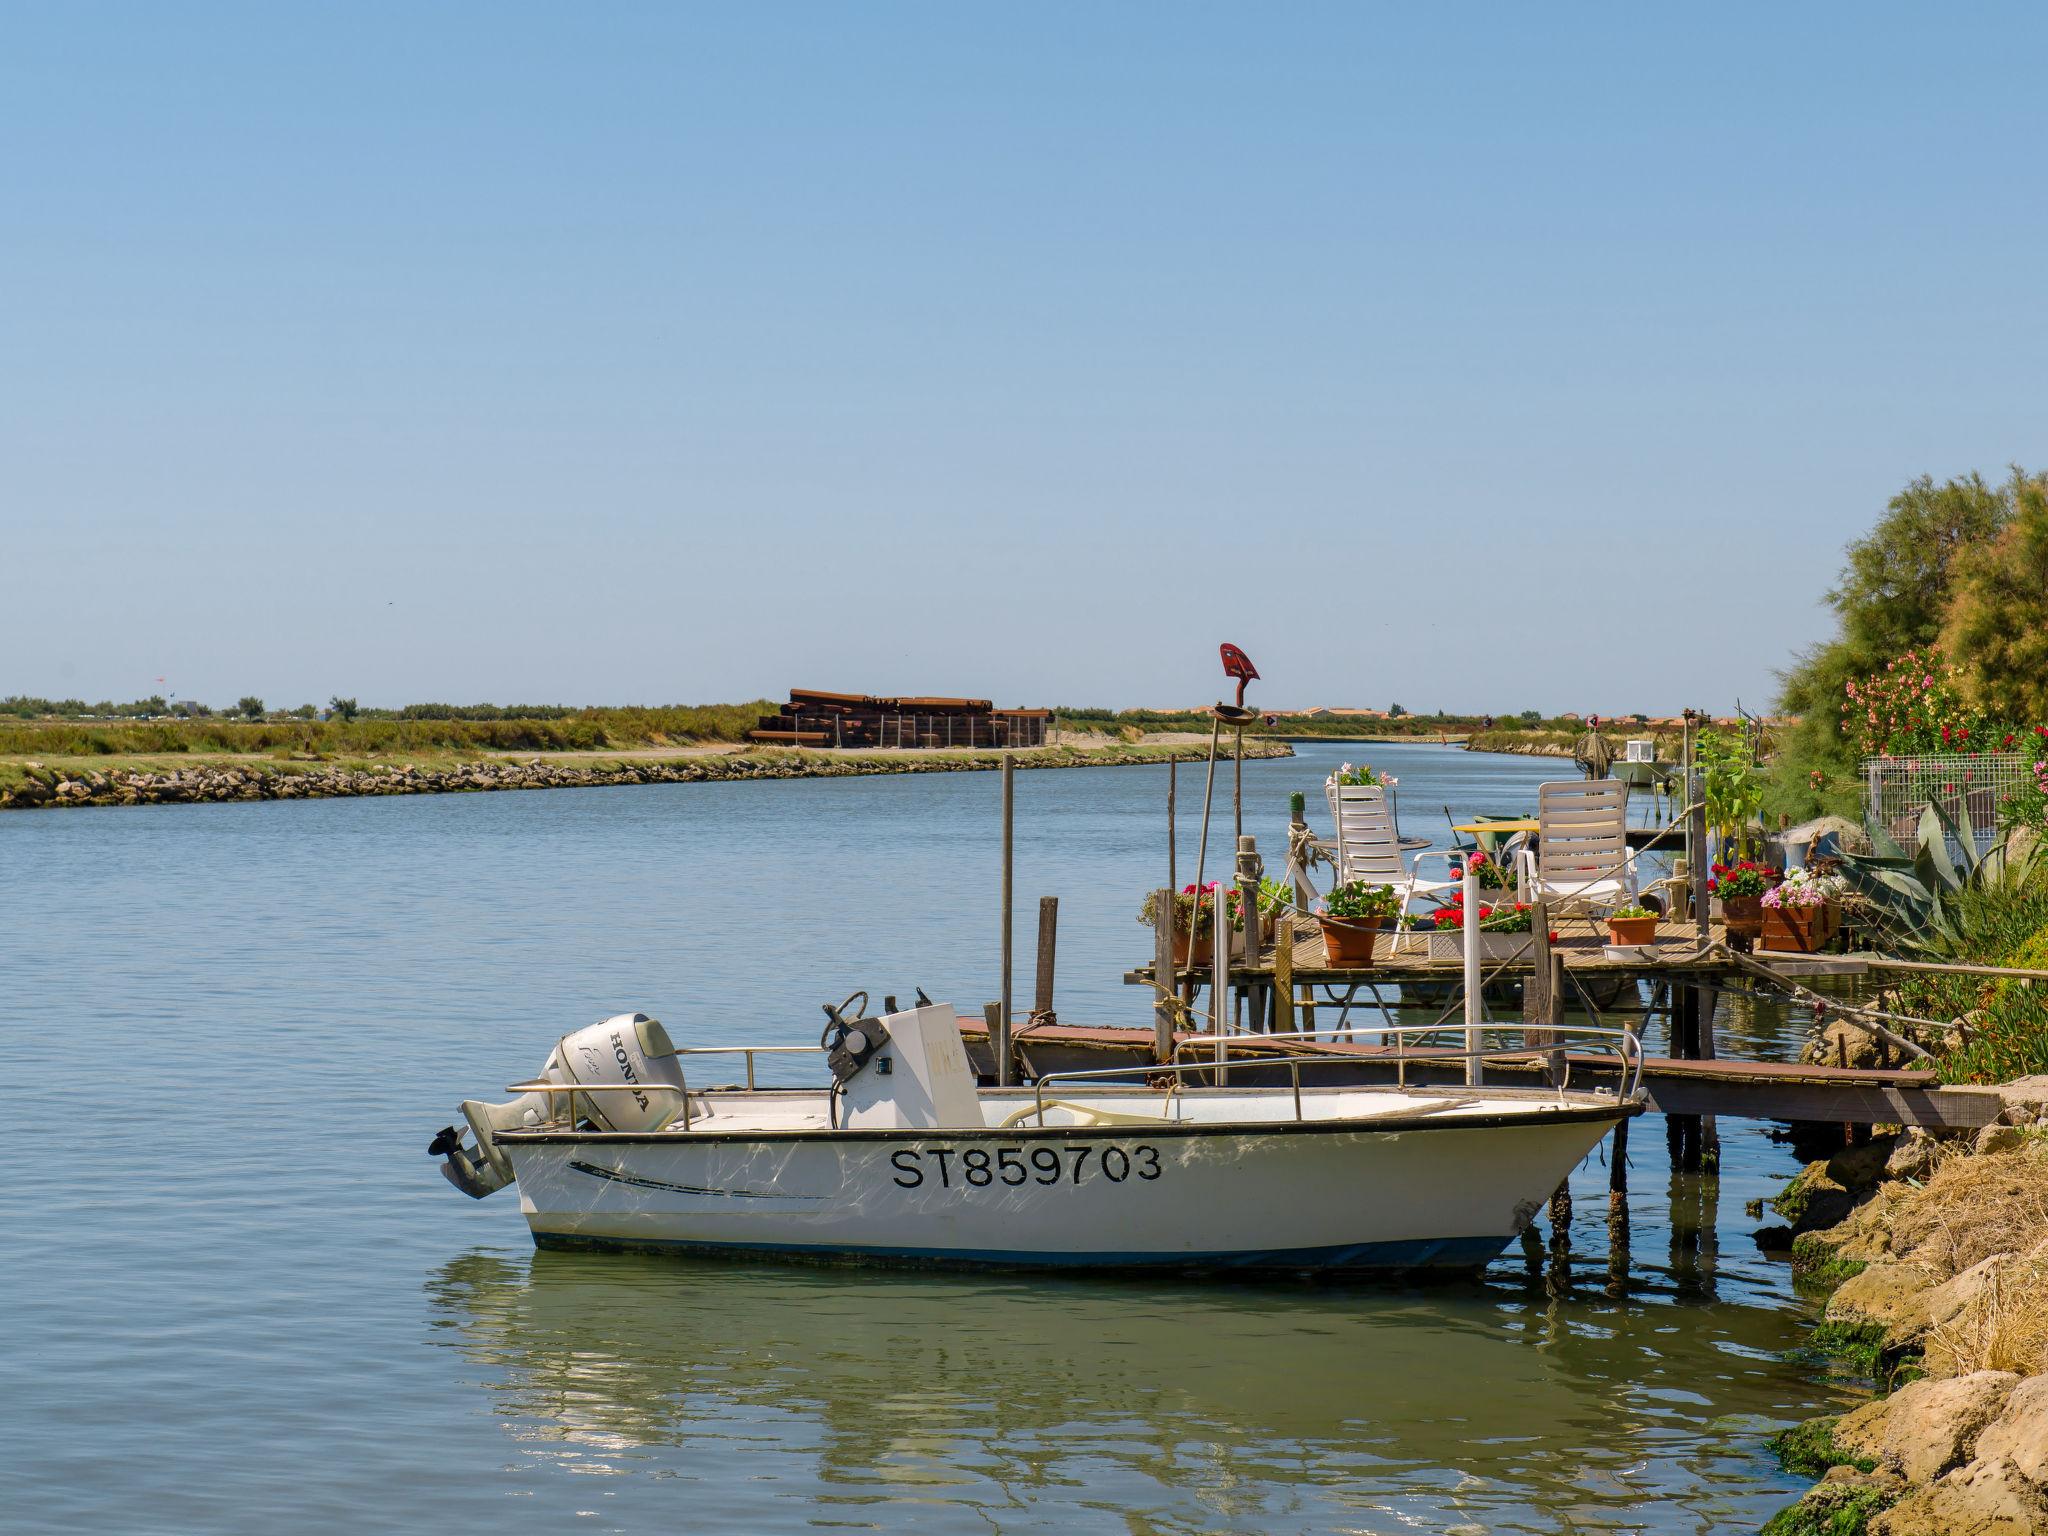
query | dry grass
(2003,1329)
(1973,1207)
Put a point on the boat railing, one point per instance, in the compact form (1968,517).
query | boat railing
(1621,1044)
(558,1091)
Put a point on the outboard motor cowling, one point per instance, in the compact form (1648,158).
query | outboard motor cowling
(629,1058)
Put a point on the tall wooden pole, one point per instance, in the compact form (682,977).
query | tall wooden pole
(1172,787)
(1009,872)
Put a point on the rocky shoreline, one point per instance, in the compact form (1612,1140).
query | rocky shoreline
(220,782)
(1933,1255)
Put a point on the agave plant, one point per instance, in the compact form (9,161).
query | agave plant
(1915,897)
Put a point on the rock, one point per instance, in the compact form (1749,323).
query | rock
(1913,1157)
(1835,1503)
(1987,1498)
(1842,1044)
(2027,1093)
(1947,1300)
(1860,1435)
(71,789)
(1885,1294)
(1997,1138)
(1814,1199)
(1861,1167)
(1933,1425)
(2020,1432)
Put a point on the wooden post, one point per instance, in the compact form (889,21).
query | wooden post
(998,1039)
(1164,982)
(1248,898)
(1237,788)
(1248,867)
(1172,787)
(1697,824)
(1475,1011)
(1009,870)
(1048,942)
(1283,974)
(1539,1008)
(1220,995)
(1297,805)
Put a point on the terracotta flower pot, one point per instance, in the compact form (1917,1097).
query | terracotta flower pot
(1349,941)
(1744,916)
(1204,950)
(1632,930)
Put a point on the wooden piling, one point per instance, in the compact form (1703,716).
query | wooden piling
(998,1039)
(999,1035)
(1172,787)
(1283,974)
(1165,983)
(1048,944)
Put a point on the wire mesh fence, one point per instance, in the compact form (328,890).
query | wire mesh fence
(1969,787)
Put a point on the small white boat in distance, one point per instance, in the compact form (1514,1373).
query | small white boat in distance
(902,1158)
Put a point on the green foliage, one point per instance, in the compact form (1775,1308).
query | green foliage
(344,708)
(1996,626)
(1359,898)
(366,735)
(1893,596)
(1926,902)
(1734,785)
(250,706)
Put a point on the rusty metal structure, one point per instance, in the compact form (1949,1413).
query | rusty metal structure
(814,718)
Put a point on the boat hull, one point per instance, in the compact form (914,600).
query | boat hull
(1293,1197)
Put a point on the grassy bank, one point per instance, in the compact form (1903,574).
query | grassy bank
(582,730)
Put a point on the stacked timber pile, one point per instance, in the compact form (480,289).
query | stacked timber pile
(813,718)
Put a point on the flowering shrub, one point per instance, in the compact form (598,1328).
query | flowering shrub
(1361,773)
(2027,806)
(1805,888)
(1507,917)
(1915,705)
(1491,874)
(1632,910)
(1359,898)
(1190,916)
(1744,879)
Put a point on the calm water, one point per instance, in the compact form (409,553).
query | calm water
(235,1295)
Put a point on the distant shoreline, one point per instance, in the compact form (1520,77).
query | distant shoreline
(230,779)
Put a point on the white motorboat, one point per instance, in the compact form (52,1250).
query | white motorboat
(903,1158)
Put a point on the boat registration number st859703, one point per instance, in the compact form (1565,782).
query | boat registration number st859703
(997,1167)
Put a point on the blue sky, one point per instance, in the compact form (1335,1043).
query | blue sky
(1486,358)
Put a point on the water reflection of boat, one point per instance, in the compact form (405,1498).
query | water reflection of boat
(1310,1406)
(903,1158)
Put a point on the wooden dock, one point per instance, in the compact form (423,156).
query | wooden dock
(1290,985)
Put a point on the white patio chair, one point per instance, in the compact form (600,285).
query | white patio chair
(1368,846)
(1582,857)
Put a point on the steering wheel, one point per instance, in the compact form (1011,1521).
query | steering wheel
(836,1024)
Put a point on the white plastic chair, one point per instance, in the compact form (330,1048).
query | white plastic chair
(1582,857)
(1368,845)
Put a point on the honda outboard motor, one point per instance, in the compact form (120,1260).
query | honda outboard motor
(629,1056)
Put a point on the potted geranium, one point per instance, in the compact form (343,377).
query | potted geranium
(1801,912)
(1502,929)
(1194,922)
(1632,924)
(1740,890)
(1352,916)
(1361,773)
